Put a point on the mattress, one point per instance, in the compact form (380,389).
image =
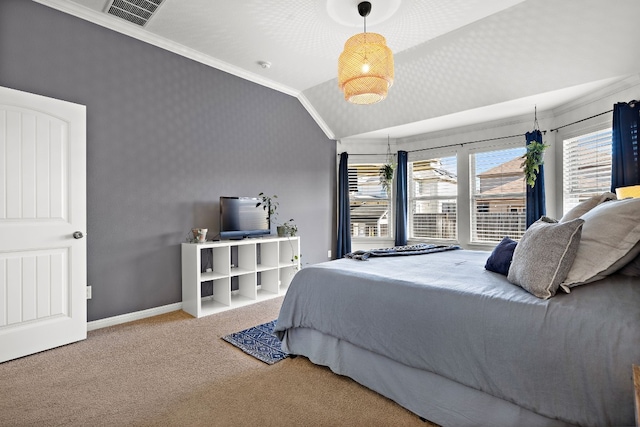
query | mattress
(567,358)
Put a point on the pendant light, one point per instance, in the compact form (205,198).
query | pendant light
(365,67)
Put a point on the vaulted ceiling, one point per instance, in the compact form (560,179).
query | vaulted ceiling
(457,62)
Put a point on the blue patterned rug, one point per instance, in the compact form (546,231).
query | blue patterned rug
(259,342)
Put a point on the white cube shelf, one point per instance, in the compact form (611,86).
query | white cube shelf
(262,268)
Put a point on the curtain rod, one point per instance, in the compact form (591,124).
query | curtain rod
(450,145)
(631,103)
(469,142)
(581,120)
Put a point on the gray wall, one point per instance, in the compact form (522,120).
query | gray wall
(166,136)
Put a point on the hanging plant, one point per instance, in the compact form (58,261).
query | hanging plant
(386,176)
(532,160)
(386,171)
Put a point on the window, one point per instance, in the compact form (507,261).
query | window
(498,195)
(586,167)
(369,205)
(433,188)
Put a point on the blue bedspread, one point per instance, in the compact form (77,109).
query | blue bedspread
(568,357)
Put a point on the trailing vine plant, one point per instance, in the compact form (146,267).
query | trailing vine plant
(386,176)
(386,171)
(532,160)
(534,157)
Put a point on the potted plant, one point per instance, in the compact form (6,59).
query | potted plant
(289,228)
(386,176)
(386,171)
(532,160)
(269,204)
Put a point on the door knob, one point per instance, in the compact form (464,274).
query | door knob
(78,235)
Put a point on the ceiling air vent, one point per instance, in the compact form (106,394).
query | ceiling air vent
(136,11)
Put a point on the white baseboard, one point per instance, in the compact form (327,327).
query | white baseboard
(130,317)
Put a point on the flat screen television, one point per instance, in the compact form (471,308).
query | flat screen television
(240,218)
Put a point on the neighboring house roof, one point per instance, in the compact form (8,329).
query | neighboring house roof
(435,174)
(507,177)
(369,213)
(511,167)
(513,186)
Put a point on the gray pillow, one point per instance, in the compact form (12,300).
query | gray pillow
(610,237)
(584,207)
(544,255)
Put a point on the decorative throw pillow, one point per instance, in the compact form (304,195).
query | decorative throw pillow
(500,259)
(584,207)
(610,237)
(544,256)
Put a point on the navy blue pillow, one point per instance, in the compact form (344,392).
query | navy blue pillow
(500,259)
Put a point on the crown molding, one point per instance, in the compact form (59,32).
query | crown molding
(613,89)
(314,114)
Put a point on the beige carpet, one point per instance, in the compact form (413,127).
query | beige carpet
(175,370)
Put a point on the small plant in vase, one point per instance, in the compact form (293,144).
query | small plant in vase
(289,228)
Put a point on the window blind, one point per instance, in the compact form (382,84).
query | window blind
(586,167)
(498,195)
(432,199)
(368,202)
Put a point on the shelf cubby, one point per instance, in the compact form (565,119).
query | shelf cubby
(242,272)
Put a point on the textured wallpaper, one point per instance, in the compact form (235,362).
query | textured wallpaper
(166,137)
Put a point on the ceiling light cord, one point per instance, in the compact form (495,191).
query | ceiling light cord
(364,9)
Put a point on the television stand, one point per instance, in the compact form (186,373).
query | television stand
(262,268)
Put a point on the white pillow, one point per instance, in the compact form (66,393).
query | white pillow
(585,206)
(610,237)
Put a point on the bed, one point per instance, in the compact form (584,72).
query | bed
(463,346)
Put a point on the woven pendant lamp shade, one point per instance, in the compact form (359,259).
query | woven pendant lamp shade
(365,69)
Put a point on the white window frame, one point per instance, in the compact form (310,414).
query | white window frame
(572,198)
(356,160)
(511,143)
(428,155)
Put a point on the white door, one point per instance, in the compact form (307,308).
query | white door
(42,204)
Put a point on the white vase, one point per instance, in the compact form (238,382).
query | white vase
(200,234)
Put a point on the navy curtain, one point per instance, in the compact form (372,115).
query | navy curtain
(535,196)
(625,159)
(344,217)
(401,199)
